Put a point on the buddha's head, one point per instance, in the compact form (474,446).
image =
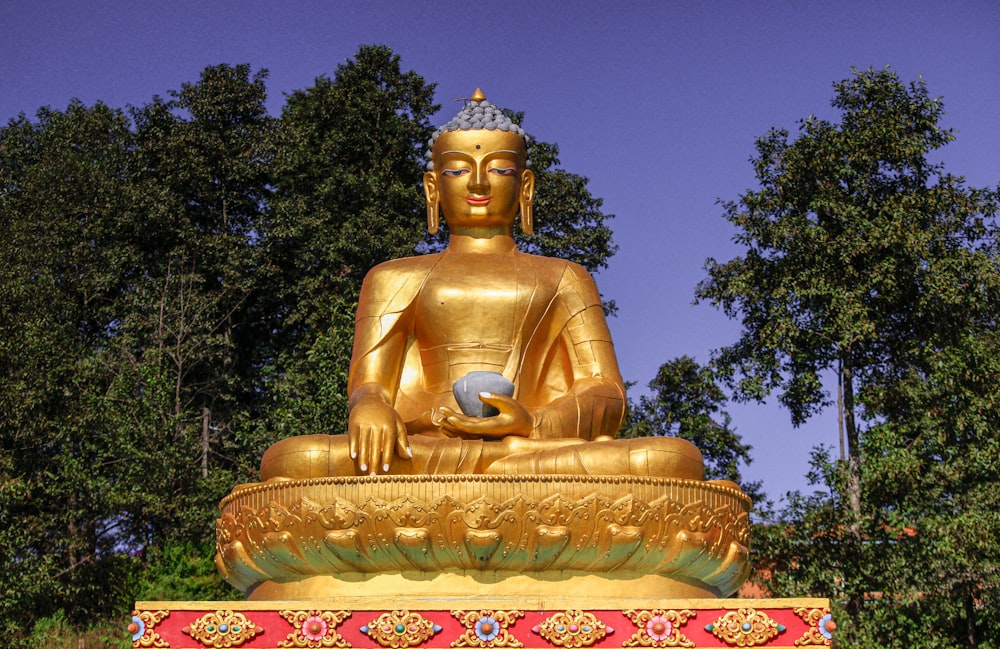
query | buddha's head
(478,171)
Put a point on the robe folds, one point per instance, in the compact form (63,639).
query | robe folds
(557,351)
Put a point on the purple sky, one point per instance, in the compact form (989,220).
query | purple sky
(658,103)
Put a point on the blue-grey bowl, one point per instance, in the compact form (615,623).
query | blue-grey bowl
(468,387)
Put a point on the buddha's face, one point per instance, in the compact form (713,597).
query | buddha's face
(479,177)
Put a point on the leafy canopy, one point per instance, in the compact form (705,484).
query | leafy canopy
(866,259)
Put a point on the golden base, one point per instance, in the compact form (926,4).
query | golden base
(326,536)
(558,590)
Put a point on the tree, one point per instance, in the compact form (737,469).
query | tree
(866,259)
(72,234)
(127,272)
(687,402)
(186,354)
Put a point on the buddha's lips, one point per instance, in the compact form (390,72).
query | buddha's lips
(478,200)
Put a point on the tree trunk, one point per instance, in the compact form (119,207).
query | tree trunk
(205,419)
(840,408)
(852,485)
(970,620)
(853,448)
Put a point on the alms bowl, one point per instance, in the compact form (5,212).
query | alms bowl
(467,390)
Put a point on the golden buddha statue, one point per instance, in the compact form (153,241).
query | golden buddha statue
(421,500)
(481,305)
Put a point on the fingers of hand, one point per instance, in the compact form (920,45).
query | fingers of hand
(442,413)
(390,438)
(499,401)
(352,441)
(402,443)
(370,449)
(460,423)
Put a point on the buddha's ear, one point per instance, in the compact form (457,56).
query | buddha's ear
(431,193)
(525,201)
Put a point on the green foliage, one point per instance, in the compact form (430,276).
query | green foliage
(129,275)
(568,221)
(838,238)
(182,571)
(56,632)
(71,237)
(866,259)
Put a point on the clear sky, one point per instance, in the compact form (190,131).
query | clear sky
(657,102)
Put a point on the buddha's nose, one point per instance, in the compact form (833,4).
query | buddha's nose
(479,182)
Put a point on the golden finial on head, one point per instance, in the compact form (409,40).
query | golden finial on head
(478,95)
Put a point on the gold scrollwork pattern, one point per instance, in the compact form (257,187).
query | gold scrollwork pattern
(141,628)
(659,628)
(487,628)
(399,629)
(223,628)
(314,629)
(821,627)
(574,628)
(745,627)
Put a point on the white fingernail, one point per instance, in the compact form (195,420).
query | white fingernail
(485,394)
(409,452)
(364,467)
(385,468)
(354,455)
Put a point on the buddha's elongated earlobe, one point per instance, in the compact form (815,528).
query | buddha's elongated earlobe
(433,218)
(433,209)
(525,201)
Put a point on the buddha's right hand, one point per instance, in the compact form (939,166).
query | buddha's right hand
(374,430)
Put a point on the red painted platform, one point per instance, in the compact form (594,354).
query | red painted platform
(772,623)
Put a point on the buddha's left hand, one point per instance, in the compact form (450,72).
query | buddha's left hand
(514,419)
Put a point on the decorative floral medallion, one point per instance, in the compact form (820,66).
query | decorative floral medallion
(223,629)
(745,627)
(487,628)
(400,629)
(821,626)
(141,628)
(659,628)
(573,629)
(314,629)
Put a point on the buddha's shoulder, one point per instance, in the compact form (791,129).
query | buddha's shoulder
(562,271)
(404,267)
(396,281)
(554,265)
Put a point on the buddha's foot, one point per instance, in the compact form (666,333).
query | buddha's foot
(662,457)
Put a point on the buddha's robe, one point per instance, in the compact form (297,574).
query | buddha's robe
(553,343)
(540,323)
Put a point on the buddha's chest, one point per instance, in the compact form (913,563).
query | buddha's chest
(469,304)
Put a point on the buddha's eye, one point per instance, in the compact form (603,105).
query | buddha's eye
(503,171)
(454,173)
